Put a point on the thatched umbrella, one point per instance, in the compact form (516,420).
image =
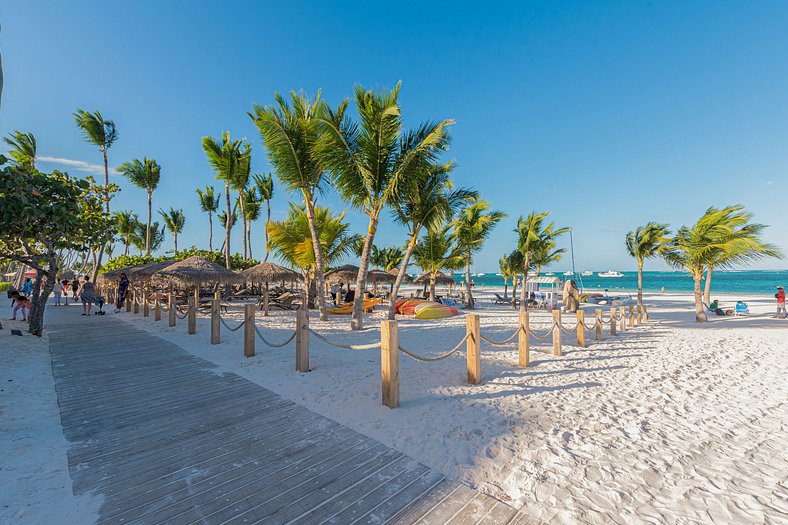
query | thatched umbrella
(112,275)
(428,279)
(145,272)
(197,270)
(379,276)
(267,272)
(347,273)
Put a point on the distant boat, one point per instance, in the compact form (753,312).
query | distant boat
(610,273)
(499,274)
(549,273)
(569,273)
(587,273)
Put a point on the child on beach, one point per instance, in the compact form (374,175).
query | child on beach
(75,288)
(780,296)
(20,302)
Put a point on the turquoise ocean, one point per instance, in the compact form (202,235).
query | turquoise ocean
(729,282)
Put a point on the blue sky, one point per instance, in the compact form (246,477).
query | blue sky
(609,114)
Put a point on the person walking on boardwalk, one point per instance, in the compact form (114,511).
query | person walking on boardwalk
(123,290)
(58,290)
(87,296)
(75,288)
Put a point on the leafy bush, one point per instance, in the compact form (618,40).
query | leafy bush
(123,261)
(4,287)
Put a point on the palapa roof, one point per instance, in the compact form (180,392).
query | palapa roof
(440,278)
(148,270)
(267,271)
(348,272)
(405,278)
(379,276)
(196,270)
(114,274)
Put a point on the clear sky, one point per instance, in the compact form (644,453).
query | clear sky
(609,114)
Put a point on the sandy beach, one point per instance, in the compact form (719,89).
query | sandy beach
(672,422)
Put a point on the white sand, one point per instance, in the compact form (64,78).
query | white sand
(672,422)
(35,486)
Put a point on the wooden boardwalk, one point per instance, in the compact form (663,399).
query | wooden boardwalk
(163,438)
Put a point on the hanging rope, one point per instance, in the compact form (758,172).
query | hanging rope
(434,359)
(341,345)
(274,345)
(228,326)
(500,343)
(542,337)
(178,313)
(567,330)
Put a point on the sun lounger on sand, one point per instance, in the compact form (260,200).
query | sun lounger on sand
(347,308)
(286,301)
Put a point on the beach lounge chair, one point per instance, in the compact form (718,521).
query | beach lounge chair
(347,308)
(501,300)
(286,301)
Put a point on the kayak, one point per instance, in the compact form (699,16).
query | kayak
(431,310)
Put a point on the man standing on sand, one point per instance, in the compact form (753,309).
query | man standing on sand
(780,296)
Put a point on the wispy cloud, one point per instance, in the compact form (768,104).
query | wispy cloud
(769,183)
(77,165)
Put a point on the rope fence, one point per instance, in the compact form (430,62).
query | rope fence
(390,348)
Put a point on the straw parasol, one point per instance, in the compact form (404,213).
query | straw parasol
(145,272)
(111,275)
(267,272)
(440,278)
(347,273)
(379,276)
(196,270)
(405,278)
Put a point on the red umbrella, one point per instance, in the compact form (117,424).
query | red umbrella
(30,273)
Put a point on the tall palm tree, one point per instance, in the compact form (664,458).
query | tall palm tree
(227,160)
(240,183)
(265,188)
(99,132)
(387,258)
(438,252)
(174,221)
(532,234)
(503,267)
(22,149)
(252,206)
(472,227)
(370,161)
(209,203)
(644,243)
(695,247)
(145,175)
(289,132)
(223,218)
(546,254)
(428,201)
(291,240)
(126,225)
(140,238)
(515,262)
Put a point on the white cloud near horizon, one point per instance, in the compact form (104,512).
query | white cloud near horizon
(78,165)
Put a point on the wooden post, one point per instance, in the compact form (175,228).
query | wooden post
(128,299)
(248,330)
(302,340)
(217,295)
(623,324)
(522,339)
(216,336)
(598,324)
(631,316)
(645,313)
(145,308)
(557,332)
(639,318)
(196,296)
(581,331)
(156,309)
(473,348)
(389,363)
(191,325)
(613,321)
(265,300)
(136,302)
(171,308)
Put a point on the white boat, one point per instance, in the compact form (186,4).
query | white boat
(549,273)
(569,273)
(587,273)
(610,273)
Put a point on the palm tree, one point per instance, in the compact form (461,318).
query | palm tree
(546,254)
(387,258)
(289,133)
(265,187)
(437,252)
(371,160)
(101,133)
(252,206)
(532,235)
(472,227)
(126,225)
(240,183)
(428,201)
(515,262)
(209,203)
(145,175)
(22,149)
(227,160)
(644,243)
(695,247)
(140,238)
(291,240)
(504,268)
(174,221)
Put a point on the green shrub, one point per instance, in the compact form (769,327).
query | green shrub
(4,287)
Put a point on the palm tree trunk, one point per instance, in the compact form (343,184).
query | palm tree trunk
(432,286)
(147,228)
(210,231)
(469,303)
(249,237)
(318,248)
(106,178)
(175,241)
(356,322)
(267,220)
(227,225)
(505,285)
(401,274)
(640,283)
(700,311)
(707,290)
(524,288)
(243,219)
(127,243)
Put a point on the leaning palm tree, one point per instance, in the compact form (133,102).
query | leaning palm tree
(22,149)
(227,160)
(145,175)
(438,252)
(125,225)
(644,243)
(291,241)
(265,188)
(428,201)
(472,227)
(289,133)
(174,221)
(101,133)
(209,203)
(532,234)
(370,161)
